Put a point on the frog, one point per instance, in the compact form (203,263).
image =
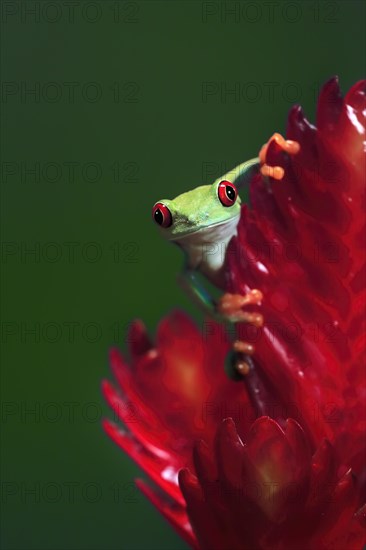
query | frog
(202,222)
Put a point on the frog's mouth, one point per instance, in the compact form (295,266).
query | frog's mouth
(213,233)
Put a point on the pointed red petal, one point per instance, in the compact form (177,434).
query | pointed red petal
(138,339)
(175,515)
(165,475)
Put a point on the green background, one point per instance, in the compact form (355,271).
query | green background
(151,132)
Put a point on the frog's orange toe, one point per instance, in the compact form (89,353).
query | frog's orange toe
(275,172)
(243,347)
(287,145)
(291,147)
(230,307)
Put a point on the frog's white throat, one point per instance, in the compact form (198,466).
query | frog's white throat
(206,248)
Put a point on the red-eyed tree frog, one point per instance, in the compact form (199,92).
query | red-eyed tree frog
(202,222)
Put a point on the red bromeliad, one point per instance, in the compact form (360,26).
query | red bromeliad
(288,471)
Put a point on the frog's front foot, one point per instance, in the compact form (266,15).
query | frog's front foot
(229,307)
(287,145)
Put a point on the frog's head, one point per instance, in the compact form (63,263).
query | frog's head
(204,207)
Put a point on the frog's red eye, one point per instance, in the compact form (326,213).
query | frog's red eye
(227,193)
(162,215)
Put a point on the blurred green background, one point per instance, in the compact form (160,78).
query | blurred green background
(107,107)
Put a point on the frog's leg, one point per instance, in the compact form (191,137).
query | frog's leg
(192,285)
(228,308)
(242,174)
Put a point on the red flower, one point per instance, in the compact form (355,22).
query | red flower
(270,493)
(172,395)
(302,244)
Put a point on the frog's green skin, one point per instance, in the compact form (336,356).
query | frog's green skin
(202,227)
